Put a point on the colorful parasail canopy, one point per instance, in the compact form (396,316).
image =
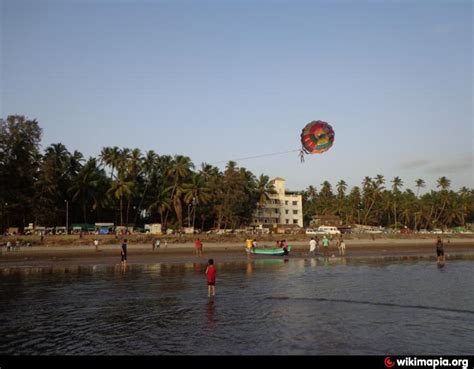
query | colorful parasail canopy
(317,137)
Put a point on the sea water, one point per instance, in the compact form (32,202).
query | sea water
(263,306)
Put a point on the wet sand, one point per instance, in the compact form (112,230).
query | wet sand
(390,249)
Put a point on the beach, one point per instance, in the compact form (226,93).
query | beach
(140,253)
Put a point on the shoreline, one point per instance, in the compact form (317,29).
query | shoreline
(68,256)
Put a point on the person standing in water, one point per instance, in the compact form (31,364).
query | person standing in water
(326,246)
(440,251)
(211,278)
(312,246)
(342,247)
(124,252)
(198,246)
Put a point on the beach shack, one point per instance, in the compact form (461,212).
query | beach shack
(154,228)
(82,227)
(104,228)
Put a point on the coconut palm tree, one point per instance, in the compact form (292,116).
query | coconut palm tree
(150,173)
(264,189)
(443,183)
(86,185)
(311,193)
(180,167)
(110,156)
(372,193)
(396,184)
(419,184)
(196,192)
(341,188)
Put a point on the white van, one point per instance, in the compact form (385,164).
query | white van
(328,230)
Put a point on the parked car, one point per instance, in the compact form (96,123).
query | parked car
(329,230)
(323,230)
(313,231)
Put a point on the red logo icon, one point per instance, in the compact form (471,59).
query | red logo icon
(388,362)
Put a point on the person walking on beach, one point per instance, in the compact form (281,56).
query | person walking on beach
(440,251)
(312,246)
(211,278)
(124,252)
(96,244)
(326,246)
(198,246)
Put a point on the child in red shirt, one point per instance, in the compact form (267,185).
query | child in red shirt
(211,278)
(198,246)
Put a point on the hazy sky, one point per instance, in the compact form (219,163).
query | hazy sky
(224,80)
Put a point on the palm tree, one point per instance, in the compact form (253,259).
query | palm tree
(264,189)
(196,192)
(110,156)
(419,184)
(379,180)
(311,193)
(180,167)
(396,184)
(85,185)
(119,190)
(134,169)
(444,184)
(162,203)
(150,172)
(341,187)
(372,192)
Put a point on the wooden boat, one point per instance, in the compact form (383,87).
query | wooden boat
(270,251)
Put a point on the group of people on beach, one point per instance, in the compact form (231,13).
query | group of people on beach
(314,246)
(252,244)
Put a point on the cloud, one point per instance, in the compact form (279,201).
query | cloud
(452,167)
(415,164)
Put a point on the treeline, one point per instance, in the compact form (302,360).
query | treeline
(380,202)
(130,187)
(122,185)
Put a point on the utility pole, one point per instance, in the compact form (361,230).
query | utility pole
(67,215)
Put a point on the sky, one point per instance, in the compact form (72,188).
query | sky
(226,80)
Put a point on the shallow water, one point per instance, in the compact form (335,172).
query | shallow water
(266,306)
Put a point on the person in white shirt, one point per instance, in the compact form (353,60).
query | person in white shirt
(312,246)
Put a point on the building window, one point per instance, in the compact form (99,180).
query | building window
(286,202)
(286,211)
(276,211)
(287,221)
(295,211)
(295,202)
(295,221)
(265,221)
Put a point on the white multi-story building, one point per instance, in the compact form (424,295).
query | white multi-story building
(283,208)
